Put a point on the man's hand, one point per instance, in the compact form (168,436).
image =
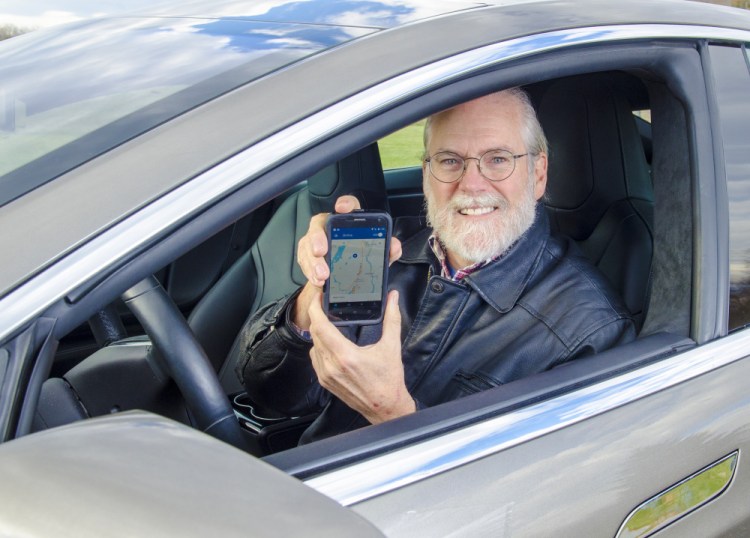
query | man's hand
(368,379)
(311,252)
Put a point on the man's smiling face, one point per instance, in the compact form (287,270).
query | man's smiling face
(476,218)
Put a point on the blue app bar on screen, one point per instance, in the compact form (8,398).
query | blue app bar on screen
(376,232)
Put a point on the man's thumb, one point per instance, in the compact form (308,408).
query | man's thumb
(392,317)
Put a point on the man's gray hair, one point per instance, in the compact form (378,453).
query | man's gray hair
(531,130)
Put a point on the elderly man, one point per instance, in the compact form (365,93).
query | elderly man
(482,297)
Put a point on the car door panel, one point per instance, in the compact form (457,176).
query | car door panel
(584,479)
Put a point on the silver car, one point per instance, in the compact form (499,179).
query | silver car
(157,170)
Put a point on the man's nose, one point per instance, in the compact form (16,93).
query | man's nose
(473,180)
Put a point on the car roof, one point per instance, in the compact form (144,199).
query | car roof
(426,34)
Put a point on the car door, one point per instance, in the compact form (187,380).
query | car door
(655,446)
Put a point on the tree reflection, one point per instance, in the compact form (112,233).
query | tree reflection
(10,30)
(739,291)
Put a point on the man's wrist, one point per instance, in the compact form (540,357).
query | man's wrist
(406,405)
(295,329)
(302,333)
(299,310)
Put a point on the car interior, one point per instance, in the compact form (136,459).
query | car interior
(611,135)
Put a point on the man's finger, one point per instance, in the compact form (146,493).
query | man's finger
(317,234)
(314,268)
(347,204)
(392,318)
(316,306)
(311,250)
(318,243)
(395,252)
(319,248)
(324,333)
(319,322)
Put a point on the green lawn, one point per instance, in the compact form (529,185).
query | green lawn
(402,148)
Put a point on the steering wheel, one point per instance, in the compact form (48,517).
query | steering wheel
(185,360)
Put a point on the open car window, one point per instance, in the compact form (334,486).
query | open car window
(597,102)
(586,114)
(404,148)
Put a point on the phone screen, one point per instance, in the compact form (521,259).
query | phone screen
(358,251)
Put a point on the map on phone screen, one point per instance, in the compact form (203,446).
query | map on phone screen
(357,260)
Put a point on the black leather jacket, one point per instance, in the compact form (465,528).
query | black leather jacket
(538,306)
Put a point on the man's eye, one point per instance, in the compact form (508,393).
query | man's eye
(449,162)
(499,159)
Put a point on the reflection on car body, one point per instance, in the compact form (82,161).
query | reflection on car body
(194,147)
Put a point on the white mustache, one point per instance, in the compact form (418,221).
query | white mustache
(461,201)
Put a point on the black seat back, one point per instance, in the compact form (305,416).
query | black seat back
(269,269)
(599,189)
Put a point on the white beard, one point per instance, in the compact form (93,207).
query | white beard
(478,241)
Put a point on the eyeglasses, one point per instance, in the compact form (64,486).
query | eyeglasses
(495,165)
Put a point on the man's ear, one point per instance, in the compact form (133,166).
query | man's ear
(540,175)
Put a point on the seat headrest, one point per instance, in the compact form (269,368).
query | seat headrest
(596,154)
(360,174)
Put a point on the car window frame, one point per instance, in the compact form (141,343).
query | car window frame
(727,79)
(350,446)
(415,110)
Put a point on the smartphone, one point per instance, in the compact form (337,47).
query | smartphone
(358,248)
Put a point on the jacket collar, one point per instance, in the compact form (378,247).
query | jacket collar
(501,282)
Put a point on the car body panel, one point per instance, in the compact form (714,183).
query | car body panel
(463,446)
(103,477)
(584,479)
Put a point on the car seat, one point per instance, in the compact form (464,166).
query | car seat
(599,189)
(268,270)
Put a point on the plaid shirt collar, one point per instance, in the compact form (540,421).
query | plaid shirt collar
(446,270)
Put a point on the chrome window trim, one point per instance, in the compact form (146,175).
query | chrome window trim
(399,468)
(21,305)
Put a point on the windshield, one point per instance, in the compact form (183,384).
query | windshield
(71,93)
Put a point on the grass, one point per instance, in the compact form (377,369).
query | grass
(403,148)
